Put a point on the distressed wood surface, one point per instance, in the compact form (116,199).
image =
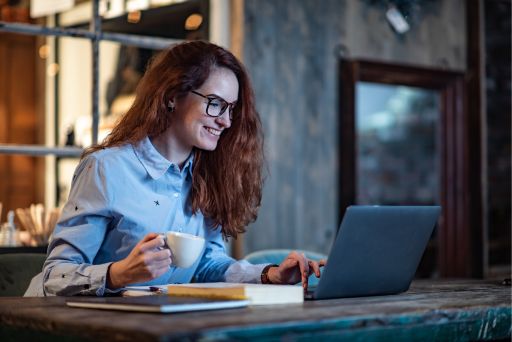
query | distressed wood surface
(292,51)
(448,310)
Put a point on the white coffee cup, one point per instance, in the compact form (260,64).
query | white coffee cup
(185,248)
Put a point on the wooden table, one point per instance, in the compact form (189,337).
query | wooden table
(430,310)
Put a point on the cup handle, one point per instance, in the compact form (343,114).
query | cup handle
(166,245)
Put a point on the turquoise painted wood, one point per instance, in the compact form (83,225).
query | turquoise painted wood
(486,324)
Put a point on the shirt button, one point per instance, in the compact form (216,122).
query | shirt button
(176,195)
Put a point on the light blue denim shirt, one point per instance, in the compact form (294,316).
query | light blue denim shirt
(118,195)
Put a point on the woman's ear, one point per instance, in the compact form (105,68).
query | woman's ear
(170,106)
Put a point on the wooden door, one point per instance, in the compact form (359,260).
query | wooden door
(458,242)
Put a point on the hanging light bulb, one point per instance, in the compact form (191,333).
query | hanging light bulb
(134,17)
(193,22)
(44,51)
(52,69)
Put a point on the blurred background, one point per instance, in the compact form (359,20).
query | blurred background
(362,102)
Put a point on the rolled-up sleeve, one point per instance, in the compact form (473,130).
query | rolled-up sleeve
(79,234)
(244,272)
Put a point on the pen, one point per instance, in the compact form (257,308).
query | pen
(155,289)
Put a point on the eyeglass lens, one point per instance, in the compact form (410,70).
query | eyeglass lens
(216,107)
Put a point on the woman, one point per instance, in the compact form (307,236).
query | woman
(187,156)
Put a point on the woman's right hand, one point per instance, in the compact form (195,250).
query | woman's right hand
(147,261)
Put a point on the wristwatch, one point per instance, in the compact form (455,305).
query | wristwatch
(264,274)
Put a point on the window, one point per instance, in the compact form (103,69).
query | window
(59,82)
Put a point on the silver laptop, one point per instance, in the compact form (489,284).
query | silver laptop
(377,251)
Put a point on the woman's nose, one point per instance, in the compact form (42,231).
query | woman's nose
(224,119)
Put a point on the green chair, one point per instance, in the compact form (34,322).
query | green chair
(17,270)
(276,256)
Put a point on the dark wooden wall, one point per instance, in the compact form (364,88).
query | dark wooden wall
(497,14)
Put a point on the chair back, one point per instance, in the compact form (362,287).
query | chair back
(17,270)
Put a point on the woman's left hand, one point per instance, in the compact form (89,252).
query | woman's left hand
(295,268)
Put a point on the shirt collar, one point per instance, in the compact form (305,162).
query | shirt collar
(188,164)
(154,163)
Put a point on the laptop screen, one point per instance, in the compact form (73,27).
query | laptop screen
(377,250)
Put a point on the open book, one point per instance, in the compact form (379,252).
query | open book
(257,294)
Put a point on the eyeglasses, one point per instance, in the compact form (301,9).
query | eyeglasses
(216,105)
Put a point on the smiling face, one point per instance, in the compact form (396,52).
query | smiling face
(191,125)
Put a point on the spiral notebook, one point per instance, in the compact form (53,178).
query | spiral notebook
(155,304)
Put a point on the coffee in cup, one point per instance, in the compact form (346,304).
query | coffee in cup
(185,248)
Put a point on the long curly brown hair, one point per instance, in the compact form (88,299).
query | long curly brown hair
(226,182)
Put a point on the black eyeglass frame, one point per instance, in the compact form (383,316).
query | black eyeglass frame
(224,104)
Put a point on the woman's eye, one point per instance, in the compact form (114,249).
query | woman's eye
(215,103)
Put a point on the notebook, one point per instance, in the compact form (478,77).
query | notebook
(376,252)
(157,303)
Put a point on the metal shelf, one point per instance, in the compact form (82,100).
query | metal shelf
(147,42)
(95,35)
(36,150)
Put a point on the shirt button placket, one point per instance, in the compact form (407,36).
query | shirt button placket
(180,220)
